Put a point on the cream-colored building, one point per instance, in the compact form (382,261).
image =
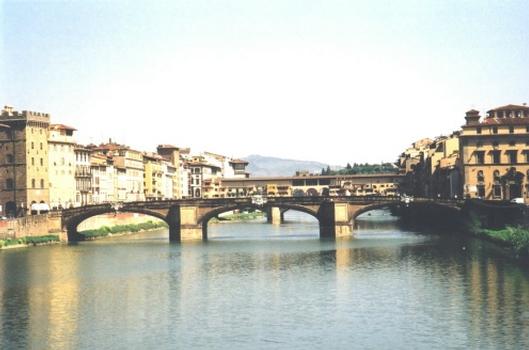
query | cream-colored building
(23,160)
(61,159)
(104,178)
(83,176)
(132,161)
(495,153)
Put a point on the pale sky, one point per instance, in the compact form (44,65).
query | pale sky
(332,81)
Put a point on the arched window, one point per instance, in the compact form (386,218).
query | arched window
(41,183)
(481,177)
(32,183)
(496,175)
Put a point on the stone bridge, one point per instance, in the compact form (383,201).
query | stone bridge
(188,219)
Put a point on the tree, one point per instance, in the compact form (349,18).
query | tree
(348,166)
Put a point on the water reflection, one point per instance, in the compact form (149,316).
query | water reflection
(388,288)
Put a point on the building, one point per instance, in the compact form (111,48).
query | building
(314,185)
(173,158)
(203,173)
(61,159)
(154,177)
(239,168)
(131,161)
(23,160)
(83,176)
(104,178)
(495,153)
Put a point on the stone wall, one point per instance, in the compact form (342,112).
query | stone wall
(33,225)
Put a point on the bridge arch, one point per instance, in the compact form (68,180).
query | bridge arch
(72,223)
(204,219)
(374,206)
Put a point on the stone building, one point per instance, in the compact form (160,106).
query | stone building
(61,159)
(495,153)
(23,160)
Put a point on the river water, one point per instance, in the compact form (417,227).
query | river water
(259,286)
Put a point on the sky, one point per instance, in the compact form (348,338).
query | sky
(334,81)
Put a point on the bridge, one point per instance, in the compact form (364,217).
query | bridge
(188,219)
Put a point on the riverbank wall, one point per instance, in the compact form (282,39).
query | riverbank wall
(505,224)
(115,219)
(50,224)
(31,226)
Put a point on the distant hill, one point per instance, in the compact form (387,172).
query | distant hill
(271,166)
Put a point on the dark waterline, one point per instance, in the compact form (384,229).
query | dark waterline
(254,286)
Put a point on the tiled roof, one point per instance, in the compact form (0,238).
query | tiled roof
(510,107)
(505,121)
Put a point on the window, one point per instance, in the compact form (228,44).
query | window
(32,145)
(496,175)
(41,183)
(478,130)
(41,162)
(494,129)
(298,182)
(41,145)
(9,184)
(496,191)
(480,157)
(494,143)
(10,159)
(481,191)
(480,176)
(527,128)
(513,157)
(495,157)
(512,143)
(32,183)
(32,161)
(511,129)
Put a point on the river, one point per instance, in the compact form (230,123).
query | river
(260,286)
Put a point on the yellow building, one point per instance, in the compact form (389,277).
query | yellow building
(61,158)
(23,160)
(495,153)
(153,184)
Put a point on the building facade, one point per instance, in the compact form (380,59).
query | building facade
(61,159)
(23,160)
(83,176)
(495,153)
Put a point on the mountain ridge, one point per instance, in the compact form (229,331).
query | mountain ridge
(274,166)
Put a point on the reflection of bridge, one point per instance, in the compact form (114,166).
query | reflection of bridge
(188,219)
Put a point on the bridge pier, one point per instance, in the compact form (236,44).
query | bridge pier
(335,220)
(274,215)
(183,224)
